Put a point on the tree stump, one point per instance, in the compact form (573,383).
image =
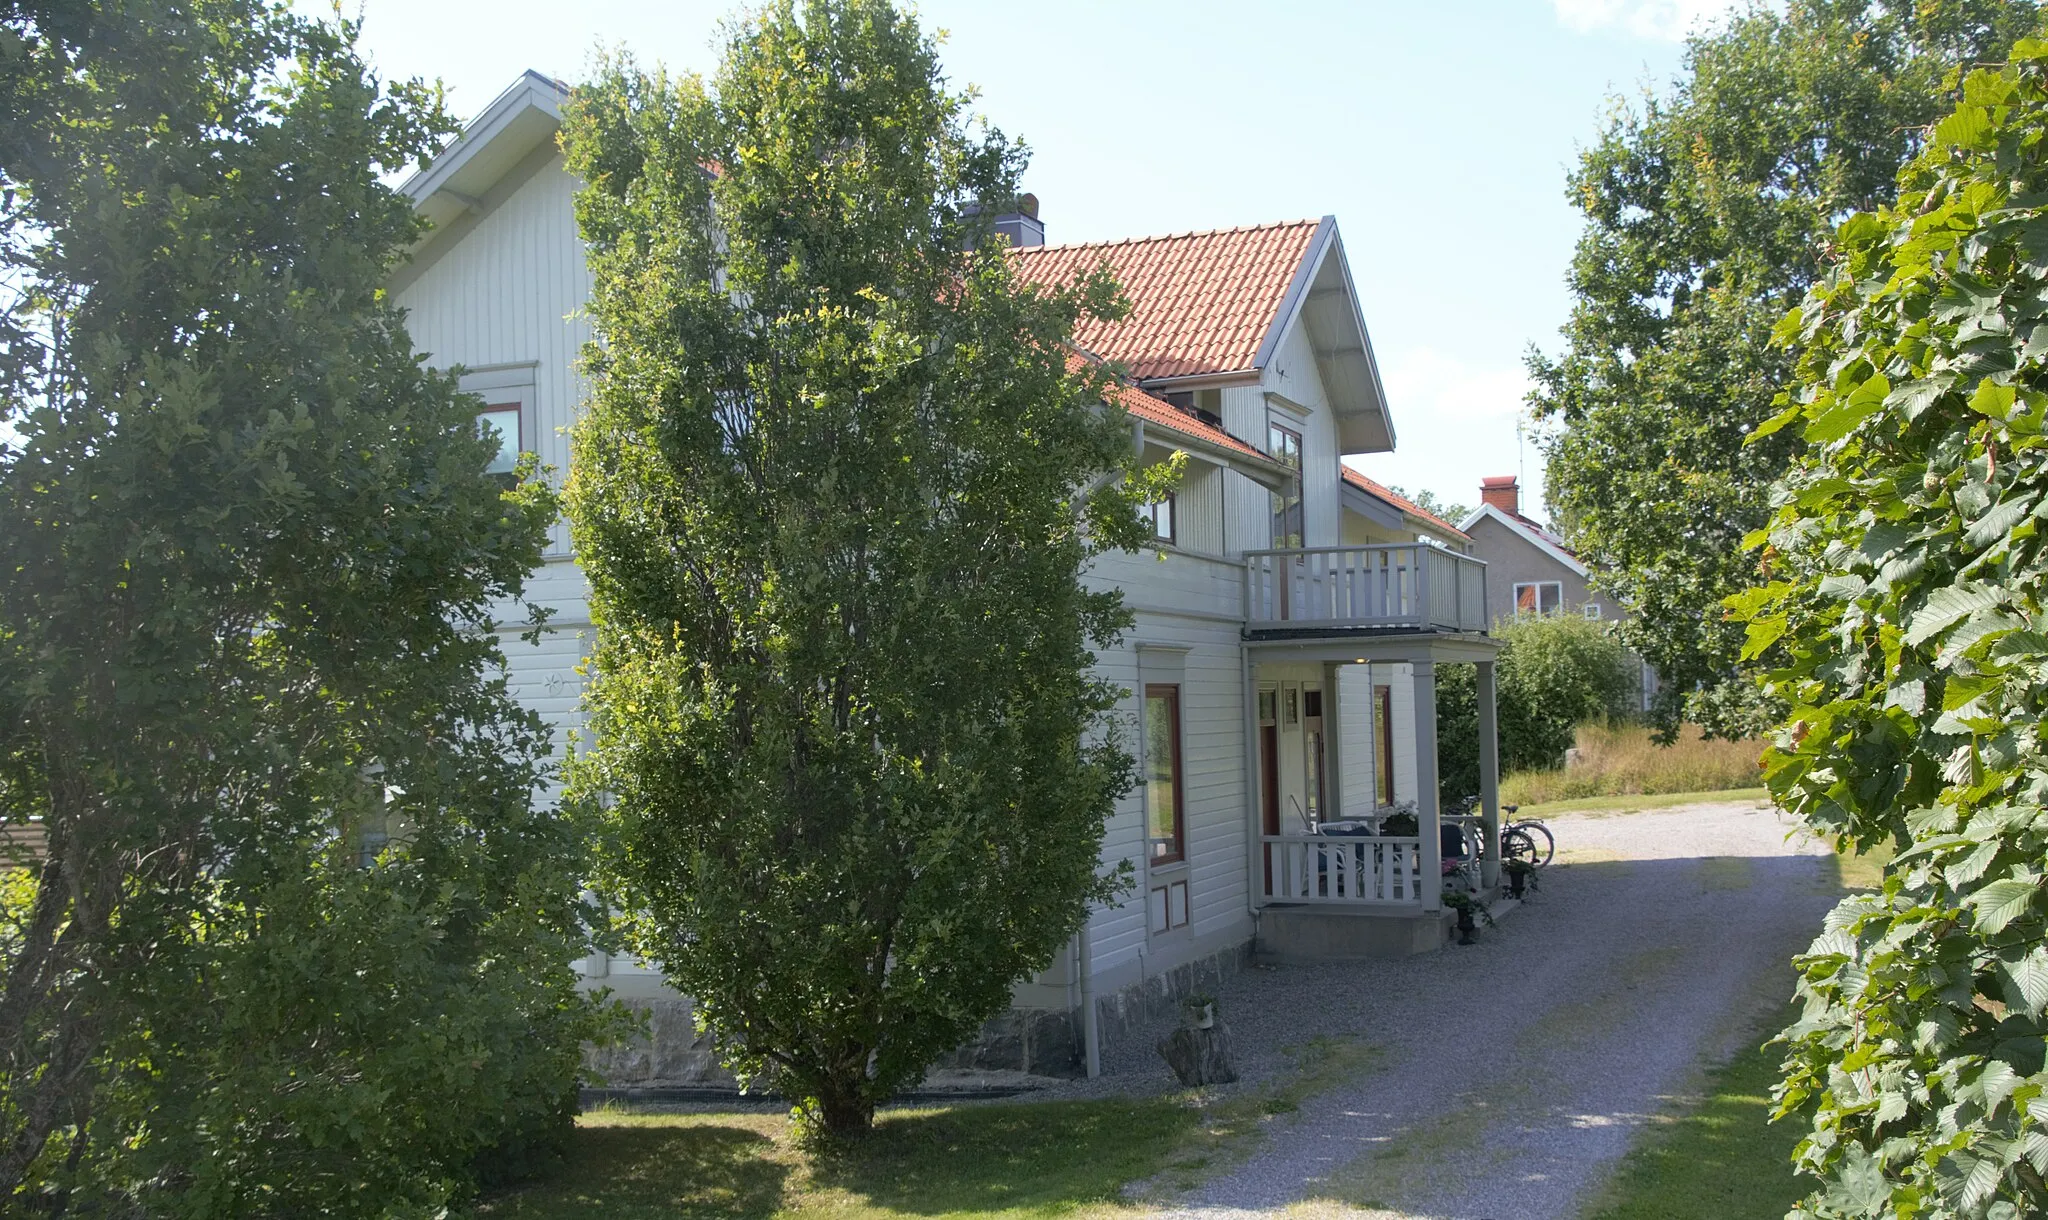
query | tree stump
(1200,1056)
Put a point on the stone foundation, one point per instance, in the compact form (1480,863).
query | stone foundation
(1041,1041)
(671,1053)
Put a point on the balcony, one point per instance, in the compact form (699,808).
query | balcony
(1405,587)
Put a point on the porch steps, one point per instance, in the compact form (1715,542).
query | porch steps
(1301,934)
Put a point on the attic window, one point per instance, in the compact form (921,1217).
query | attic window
(502,421)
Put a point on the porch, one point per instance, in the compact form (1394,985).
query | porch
(1343,649)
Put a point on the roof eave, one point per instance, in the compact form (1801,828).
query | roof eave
(518,120)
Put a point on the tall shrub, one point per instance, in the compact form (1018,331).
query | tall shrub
(834,491)
(1907,582)
(1553,673)
(246,634)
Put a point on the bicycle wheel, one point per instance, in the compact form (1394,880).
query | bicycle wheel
(1539,838)
(1515,844)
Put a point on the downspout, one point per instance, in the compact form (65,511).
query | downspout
(1091,1031)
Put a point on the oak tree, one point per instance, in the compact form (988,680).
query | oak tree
(1708,213)
(282,931)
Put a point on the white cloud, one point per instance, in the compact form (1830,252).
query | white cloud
(1659,20)
(1455,422)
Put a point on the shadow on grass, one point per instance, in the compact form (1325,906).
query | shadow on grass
(1041,1157)
(1723,1158)
(627,1172)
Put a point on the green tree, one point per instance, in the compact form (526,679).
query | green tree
(1708,214)
(247,633)
(1911,580)
(1427,501)
(1554,673)
(834,492)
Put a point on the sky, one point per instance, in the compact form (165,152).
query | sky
(1439,135)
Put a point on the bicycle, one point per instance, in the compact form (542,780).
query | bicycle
(1527,840)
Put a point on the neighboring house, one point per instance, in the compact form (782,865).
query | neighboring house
(1287,624)
(1530,570)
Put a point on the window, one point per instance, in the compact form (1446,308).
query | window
(1592,610)
(1285,446)
(1383,743)
(502,420)
(1539,597)
(1163,818)
(1161,517)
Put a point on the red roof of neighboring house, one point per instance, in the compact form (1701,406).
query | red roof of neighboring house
(1165,414)
(1200,302)
(1396,499)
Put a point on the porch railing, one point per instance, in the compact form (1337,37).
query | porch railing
(1411,585)
(1343,869)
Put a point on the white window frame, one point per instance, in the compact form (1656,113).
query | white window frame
(504,388)
(1592,611)
(1556,605)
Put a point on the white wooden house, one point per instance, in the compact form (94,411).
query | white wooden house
(1286,642)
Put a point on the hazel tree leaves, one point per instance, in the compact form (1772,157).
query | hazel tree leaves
(1908,579)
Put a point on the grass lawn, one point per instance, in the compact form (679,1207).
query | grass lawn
(1000,1160)
(1719,1161)
(1723,1158)
(988,1160)
(1629,804)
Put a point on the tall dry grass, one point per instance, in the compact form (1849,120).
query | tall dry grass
(1621,760)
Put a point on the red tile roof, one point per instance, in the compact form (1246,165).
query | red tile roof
(1200,302)
(1163,413)
(1396,499)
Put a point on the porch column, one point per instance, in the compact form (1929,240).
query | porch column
(1333,743)
(1489,779)
(1254,847)
(1428,821)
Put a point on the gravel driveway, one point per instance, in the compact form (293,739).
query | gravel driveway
(1516,1071)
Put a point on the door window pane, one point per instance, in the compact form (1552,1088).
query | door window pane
(1163,828)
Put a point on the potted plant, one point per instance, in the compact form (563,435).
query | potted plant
(1199,1011)
(1402,822)
(1518,873)
(1470,911)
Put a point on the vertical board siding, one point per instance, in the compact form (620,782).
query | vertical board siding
(1402,678)
(1198,506)
(1293,375)
(1356,763)
(1248,507)
(511,290)
(507,292)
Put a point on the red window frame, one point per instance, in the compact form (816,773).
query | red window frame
(1169,848)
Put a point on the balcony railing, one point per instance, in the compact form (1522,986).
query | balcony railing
(1413,586)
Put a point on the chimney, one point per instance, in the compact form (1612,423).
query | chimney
(1503,492)
(1019,227)
(1022,226)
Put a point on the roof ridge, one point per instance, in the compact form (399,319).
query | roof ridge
(1158,237)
